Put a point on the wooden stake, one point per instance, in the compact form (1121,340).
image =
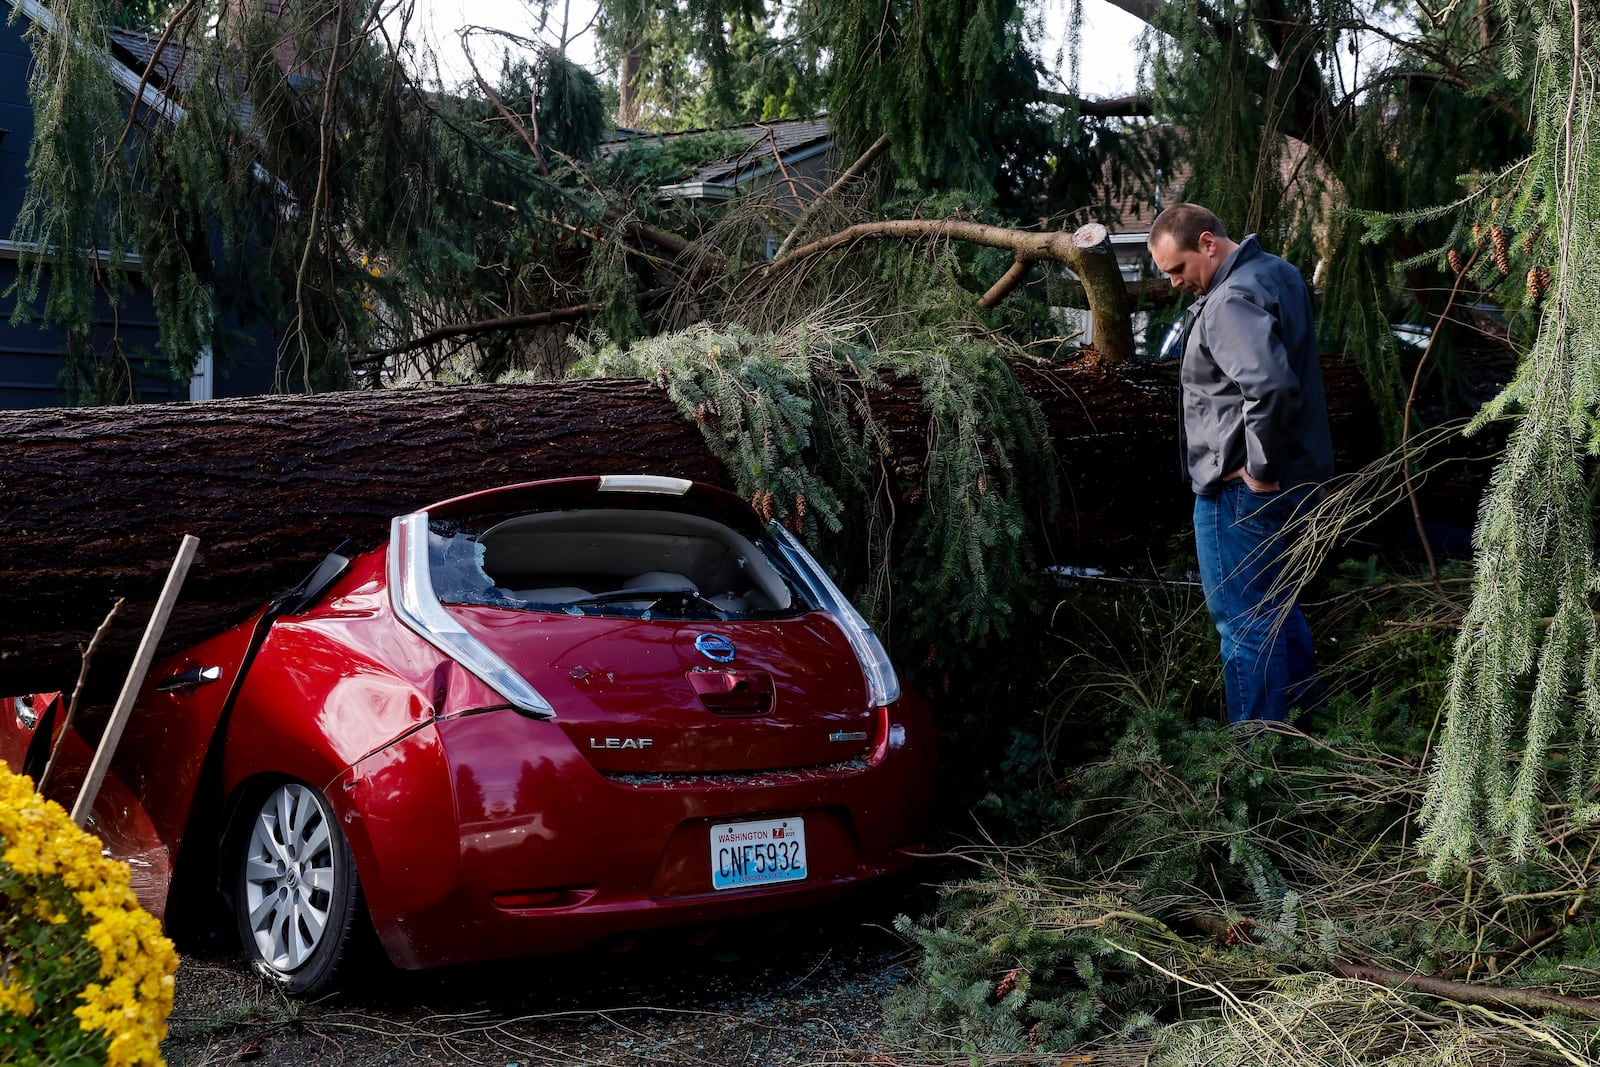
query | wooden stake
(130,688)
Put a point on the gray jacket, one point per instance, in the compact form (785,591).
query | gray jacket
(1252,381)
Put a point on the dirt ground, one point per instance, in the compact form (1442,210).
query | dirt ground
(803,989)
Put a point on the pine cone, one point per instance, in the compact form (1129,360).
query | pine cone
(1008,983)
(1238,933)
(1454,259)
(1538,283)
(1502,254)
(1477,234)
(799,508)
(1531,239)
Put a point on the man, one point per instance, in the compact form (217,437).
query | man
(1255,443)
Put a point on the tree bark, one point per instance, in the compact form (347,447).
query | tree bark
(628,79)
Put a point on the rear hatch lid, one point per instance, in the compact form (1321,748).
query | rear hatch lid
(685,695)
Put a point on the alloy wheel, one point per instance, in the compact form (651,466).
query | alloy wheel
(289,876)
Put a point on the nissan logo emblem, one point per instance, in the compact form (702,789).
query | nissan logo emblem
(715,647)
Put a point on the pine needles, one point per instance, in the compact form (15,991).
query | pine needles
(1206,897)
(1209,899)
(1526,679)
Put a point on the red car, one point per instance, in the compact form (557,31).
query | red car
(539,716)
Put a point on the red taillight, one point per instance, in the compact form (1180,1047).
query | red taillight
(880,735)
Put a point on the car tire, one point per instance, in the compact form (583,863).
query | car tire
(297,896)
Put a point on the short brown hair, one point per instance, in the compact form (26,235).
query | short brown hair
(1184,223)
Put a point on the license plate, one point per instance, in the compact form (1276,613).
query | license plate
(757,853)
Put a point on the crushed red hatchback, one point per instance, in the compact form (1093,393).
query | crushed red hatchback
(538,717)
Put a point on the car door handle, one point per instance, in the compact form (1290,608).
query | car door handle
(186,679)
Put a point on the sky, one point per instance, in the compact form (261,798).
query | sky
(1108,63)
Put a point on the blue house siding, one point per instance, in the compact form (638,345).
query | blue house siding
(30,356)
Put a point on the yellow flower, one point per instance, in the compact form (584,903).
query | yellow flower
(47,862)
(15,999)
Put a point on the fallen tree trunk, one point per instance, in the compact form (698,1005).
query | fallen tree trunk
(95,500)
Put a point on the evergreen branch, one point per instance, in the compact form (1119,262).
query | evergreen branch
(531,140)
(678,246)
(1520,687)
(795,193)
(1313,116)
(1450,78)
(1008,281)
(1535,1001)
(1542,1037)
(1085,251)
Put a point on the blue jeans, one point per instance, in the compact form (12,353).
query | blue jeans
(1267,658)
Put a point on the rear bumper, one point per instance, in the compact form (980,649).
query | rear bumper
(490,836)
